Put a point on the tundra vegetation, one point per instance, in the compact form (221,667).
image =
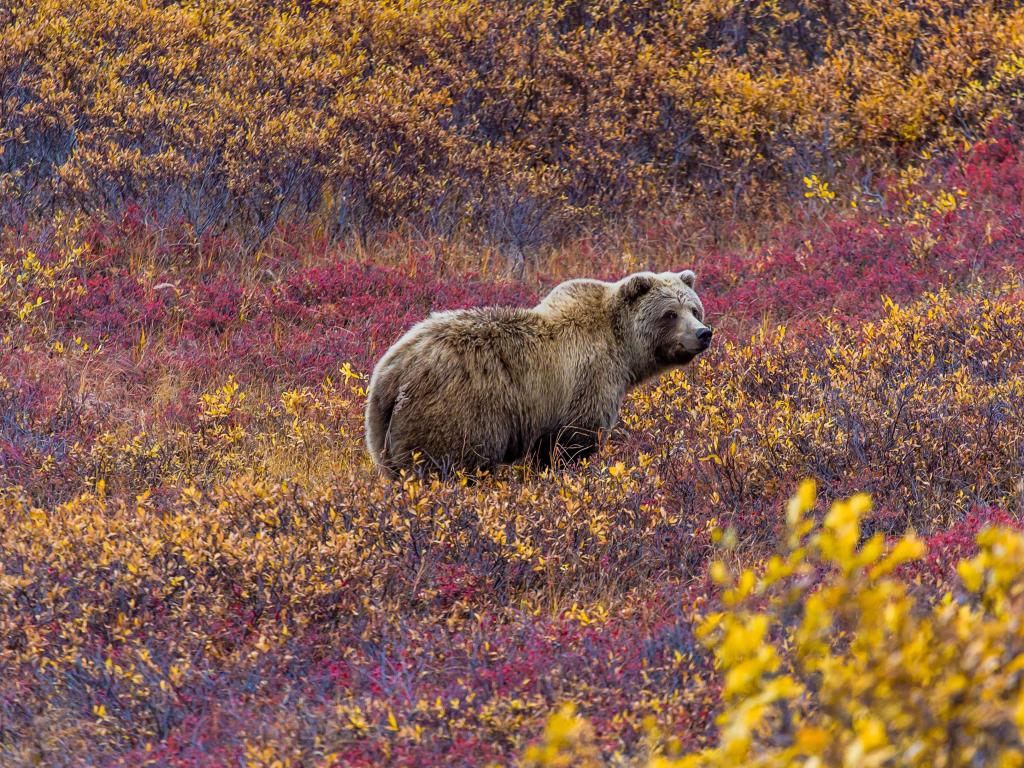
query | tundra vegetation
(803,549)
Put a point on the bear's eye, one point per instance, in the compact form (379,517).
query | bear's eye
(670,315)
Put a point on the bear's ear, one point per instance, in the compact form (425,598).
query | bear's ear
(689,277)
(635,287)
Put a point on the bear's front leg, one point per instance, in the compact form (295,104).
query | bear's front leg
(566,446)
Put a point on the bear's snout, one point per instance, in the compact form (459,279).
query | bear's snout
(704,337)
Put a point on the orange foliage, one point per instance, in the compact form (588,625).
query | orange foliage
(520,121)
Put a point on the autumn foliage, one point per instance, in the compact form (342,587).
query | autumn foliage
(520,122)
(219,215)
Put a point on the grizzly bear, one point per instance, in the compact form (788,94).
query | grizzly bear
(474,388)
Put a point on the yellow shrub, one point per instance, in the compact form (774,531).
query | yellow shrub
(854,669)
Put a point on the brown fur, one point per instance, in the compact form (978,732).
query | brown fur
(475,388)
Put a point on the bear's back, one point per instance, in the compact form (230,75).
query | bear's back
(497,328)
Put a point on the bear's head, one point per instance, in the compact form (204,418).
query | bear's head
(661,319)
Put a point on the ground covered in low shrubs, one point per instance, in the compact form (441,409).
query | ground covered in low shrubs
(521,124)
(198,565)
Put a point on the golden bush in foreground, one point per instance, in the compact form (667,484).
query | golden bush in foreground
(828,658)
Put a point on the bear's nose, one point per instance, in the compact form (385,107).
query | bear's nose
(704,336)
